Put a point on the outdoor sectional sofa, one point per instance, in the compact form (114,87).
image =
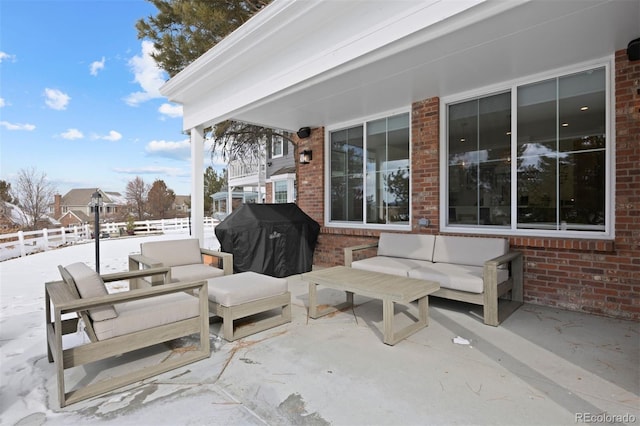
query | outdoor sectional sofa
(478,270)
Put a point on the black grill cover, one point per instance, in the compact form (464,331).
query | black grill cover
(271,239)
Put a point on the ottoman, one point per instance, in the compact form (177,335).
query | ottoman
(237,296)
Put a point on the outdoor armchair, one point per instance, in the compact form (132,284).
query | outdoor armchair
(185,258)
(120,323)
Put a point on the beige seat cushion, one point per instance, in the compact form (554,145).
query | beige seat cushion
(196,272)
(474,251)
(173,252)
(143,314)
(456,277)
(89,284)
(232,290)
(408,246)
(389,265)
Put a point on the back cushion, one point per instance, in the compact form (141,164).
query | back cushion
(468,250)
(408,246)
(89,284)
(174,252)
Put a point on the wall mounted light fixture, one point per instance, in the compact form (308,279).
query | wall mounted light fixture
(305,156)
(304,132)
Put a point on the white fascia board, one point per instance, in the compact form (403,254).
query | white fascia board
(220,57)
(215,89)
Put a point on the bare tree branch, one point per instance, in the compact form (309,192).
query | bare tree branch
(34,194)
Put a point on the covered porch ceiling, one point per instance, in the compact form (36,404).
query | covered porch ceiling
(318,63)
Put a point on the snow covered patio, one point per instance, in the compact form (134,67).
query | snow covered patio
(541,366)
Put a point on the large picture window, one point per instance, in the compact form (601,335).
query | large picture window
(369,172)
(548,173)
(480,161)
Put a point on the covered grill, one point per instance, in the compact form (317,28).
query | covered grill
(271,239)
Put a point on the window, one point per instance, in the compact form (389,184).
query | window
(276,146)
(480,161)
(549,173)
(369,173)
(284,188)
(280,191)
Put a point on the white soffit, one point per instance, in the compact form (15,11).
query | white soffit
(314,63)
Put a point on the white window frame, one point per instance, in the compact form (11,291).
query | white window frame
(327,174)
(609,231)
(277,140)
(290,178)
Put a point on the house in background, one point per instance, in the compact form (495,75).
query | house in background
(247,176)
(75,218)
(11,218)
(181,205)
(14,219)
(269,176)
(75,207)
(516,119)
(281,171)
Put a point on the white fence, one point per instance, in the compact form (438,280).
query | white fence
(23,243)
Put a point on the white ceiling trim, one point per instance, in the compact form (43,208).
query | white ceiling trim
(313,63)
(236,71)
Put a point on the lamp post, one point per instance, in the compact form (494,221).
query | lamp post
(96,202)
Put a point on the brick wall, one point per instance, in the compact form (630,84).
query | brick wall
(425,167)
(268,192)
(595,276)
(310,177)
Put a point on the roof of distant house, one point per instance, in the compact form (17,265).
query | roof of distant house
(80,215)
(82,196)
(182,199)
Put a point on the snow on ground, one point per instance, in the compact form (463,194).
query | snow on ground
(22,332)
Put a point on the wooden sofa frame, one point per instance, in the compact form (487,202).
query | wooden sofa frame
(61,297)
(493,292)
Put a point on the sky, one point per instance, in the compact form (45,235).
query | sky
(80,100)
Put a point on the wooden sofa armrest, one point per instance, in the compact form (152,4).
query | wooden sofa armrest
(493,290)
(348,251)
(139,262)
(509,257)
(490,270)
(137,273)
(226,258)
(136,260)
(66,305)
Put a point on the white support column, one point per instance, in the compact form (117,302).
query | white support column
(229,198)
(197,184)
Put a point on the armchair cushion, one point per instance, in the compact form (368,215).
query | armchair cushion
(177,253)
(144,314)
(89,284)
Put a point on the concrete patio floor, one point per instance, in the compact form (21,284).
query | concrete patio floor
(541,366)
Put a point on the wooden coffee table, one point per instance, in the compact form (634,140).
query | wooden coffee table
(391,289)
